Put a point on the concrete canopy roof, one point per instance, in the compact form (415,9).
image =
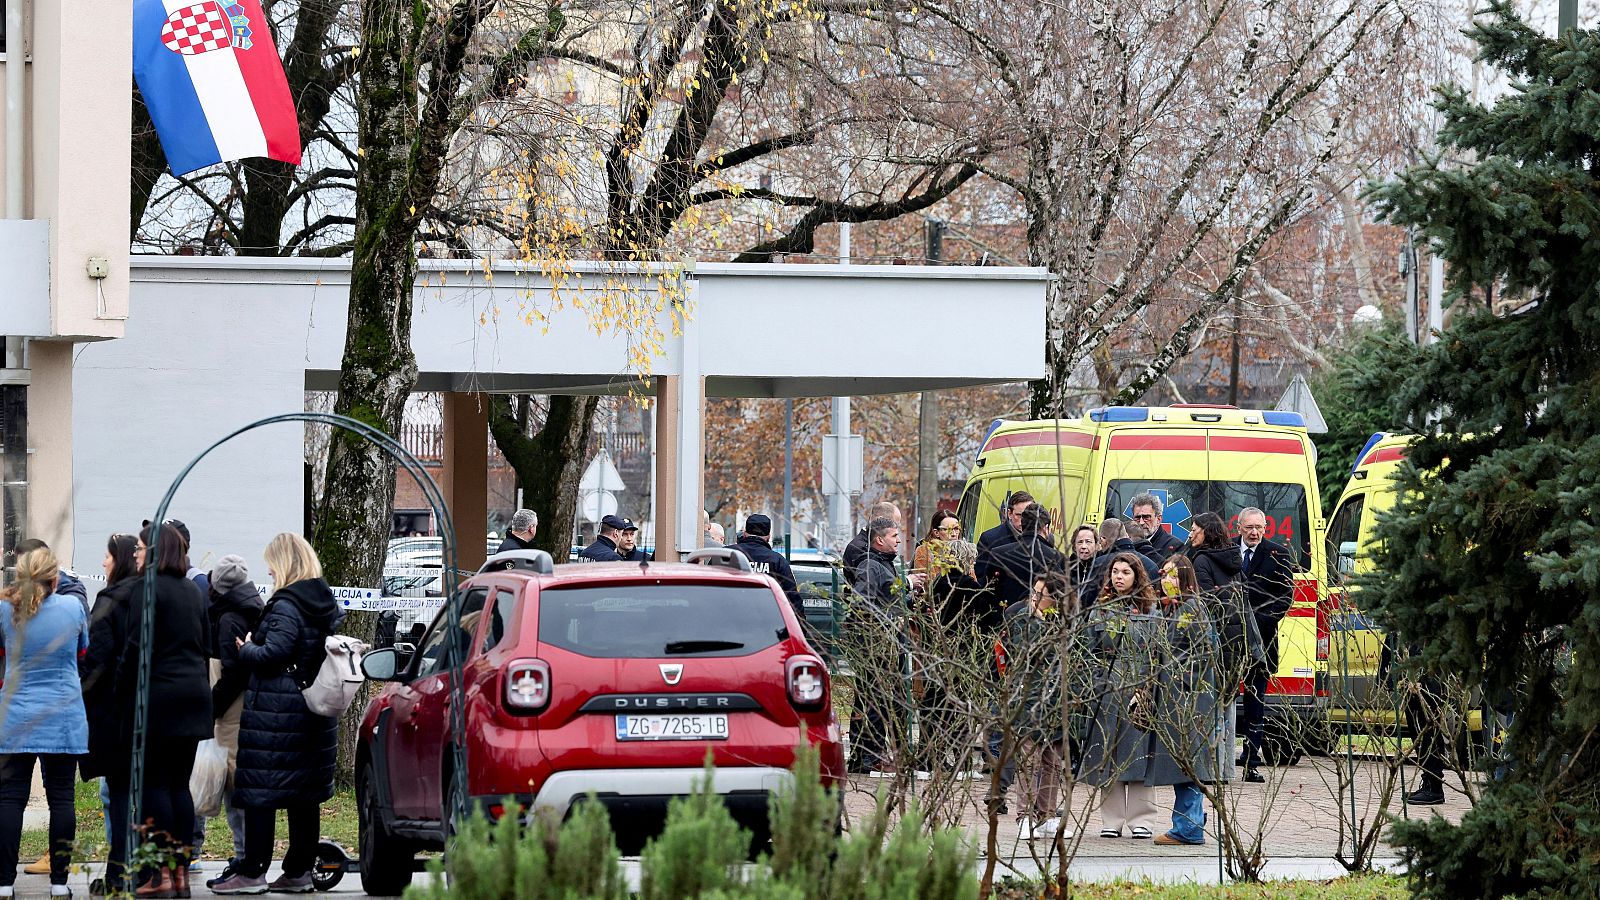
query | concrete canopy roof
(761,330)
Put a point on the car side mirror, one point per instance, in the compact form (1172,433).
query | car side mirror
(381,665)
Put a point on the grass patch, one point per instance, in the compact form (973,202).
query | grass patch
(338,825)
(1353,887)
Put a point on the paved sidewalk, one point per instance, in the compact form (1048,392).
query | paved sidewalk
(1299,807)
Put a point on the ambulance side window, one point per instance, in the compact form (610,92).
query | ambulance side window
(967,512)
(1344,538)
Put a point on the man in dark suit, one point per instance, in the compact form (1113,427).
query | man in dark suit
(1021,562)
(1005,533)
(1268,583)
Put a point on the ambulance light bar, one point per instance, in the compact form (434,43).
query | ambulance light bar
(1119,414)
(1291,419)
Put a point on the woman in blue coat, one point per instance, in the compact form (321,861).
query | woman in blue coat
(41,710)
(286,752)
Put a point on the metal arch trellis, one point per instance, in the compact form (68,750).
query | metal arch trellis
(435,497)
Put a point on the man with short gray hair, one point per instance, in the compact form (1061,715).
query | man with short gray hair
(1147,510)
(519,534)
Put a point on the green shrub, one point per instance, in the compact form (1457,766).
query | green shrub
(701,851)
(701,854)
(506,861)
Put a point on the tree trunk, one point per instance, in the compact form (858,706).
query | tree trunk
(378,369)
(266,202)
(549,464)
(147,164)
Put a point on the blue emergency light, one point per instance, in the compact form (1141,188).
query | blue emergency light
(1119,414)
(1371,442)
(1277,417)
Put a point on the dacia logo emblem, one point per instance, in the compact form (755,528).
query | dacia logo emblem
(671,673)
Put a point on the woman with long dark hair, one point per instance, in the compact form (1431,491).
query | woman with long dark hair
(178,710)
(1187,719)
(1215,557)
(933,554)
(1116,753)
(41,709)
(108,750)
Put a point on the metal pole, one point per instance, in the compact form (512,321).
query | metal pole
(1435,298)
(1409,258)
(1567,18)
(839,504)
(788,472)
(16,135)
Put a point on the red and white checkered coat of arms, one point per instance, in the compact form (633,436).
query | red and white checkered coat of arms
(199,28)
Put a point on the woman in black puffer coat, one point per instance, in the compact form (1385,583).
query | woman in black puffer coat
(286,752)
(1216,557)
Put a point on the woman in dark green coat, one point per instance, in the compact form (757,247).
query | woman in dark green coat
(1116,753)
(1038,629)
(1187,719)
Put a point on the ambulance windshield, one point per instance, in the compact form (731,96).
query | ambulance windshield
(1284,505)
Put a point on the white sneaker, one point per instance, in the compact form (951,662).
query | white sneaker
(1025,829)
(1048,829)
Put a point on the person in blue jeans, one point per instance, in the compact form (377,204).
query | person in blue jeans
(42,719)
(1183,734)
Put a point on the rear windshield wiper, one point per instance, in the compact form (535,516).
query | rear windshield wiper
(700,646)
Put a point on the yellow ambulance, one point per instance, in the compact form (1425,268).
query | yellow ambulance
(1197,458)
(1356,693)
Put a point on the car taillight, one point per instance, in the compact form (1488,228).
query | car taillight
(527,685)
(807,680)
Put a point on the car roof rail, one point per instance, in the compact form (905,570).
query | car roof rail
(720,556)
(536,561)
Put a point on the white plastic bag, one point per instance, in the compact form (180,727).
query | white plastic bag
(209,780)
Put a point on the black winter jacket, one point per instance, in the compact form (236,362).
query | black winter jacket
(97,672)
(287,752)
(512,542)
(856,553)
(233,615)
(1164,543)
(1018,564)
(768,561)
(180,674)
(1216,567)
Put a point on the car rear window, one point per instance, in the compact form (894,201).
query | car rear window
(660,620)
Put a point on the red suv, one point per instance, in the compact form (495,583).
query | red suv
(613,678)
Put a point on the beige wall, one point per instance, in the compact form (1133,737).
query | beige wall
(50,503)
(79,119)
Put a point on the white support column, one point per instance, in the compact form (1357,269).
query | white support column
(1435,298)
(691,429)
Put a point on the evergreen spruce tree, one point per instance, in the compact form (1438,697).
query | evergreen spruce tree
(1492,563)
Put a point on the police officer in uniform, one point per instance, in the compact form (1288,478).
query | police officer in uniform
(628,544)
(756,544)
(604,548)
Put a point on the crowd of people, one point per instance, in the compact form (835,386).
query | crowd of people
(224,665)
(1117,657)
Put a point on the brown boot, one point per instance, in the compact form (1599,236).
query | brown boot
(180,880)
(159,886)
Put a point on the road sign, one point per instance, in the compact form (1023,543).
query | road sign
(601,475)
(1297,398)
(596,505)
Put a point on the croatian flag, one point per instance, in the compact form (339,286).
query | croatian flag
(213,82)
